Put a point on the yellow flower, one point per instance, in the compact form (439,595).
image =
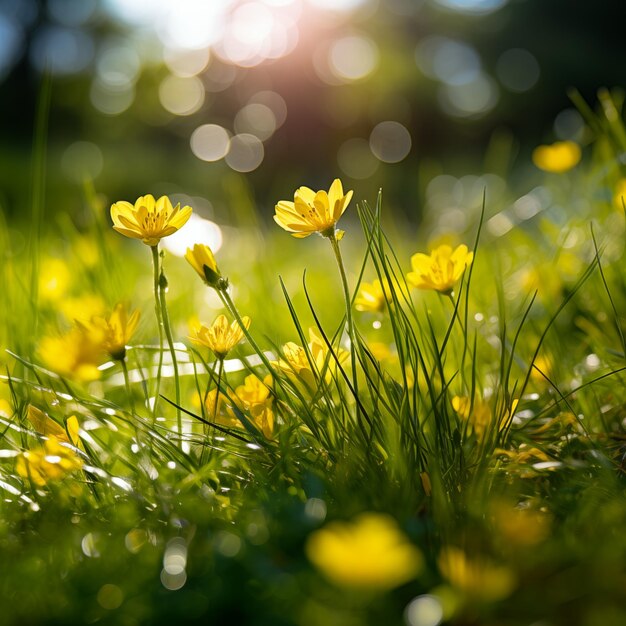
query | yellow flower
(254,397)
(221,337)
(372,297)
(441,269)
(117,330)
(297,366)
(47,427)
(558,157)
(369,553)
(75,354)
(619,198)
(49,462)
(202,260)
(149,220)
(479,414)
(313,212)
(519,527)
(219,409)
(523,454)
(477,578)
(82,308)
(54,279)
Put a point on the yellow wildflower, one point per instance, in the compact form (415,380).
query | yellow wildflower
(254,397)
(619,198)
(297,366)
(221,337)
(524,454)
(519,527)
(313,212)
(47,427)
(219,409)
(54,279)
(75,354)
(149,220)
(479,414)
(557,158)
(441,269)
(477,578)
(49,462)
(372,297)
(117,330)
(369,553)
(82,308)
(202,260)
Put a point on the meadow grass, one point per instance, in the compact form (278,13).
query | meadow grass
(362,453)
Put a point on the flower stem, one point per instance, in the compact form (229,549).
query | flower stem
(156,263)
(351,330)
(170,343)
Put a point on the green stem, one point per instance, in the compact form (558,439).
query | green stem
(131,400)
(351,330)
(157,309)
(170,343)
(212,417)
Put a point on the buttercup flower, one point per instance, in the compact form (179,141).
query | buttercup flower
(75,354)
(441,269)
(369,553)
(477,578)
(313,212)
(49,462)
(558,157)
(149,220)
(202,260)
(297,366)
(619,198)
(479,414)
(47,427)
(372,297)
(117,330)
(221,337)
(254,397)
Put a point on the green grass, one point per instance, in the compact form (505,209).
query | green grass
(534,331)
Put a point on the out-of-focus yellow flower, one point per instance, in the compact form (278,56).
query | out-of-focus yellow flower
(46,463)
(558,157)
(372,297)
(298,367)
(619,197)
(47,427)
(254,397)
(149,220)
(479,415)
(370,552)
(524,454)
(54,279)
(221,337)
(202,260)
(117,330)
(313,212)
(219,409)
(441,269)
(75,354)
(519,527)
(477,578)
(82,308)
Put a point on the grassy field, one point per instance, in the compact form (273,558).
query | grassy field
(385,426)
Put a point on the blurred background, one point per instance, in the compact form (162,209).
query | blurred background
(210,99)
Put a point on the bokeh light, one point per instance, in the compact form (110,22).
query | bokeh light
(200,230)
(356,160)
(210,142)
(390,142)
(246,153)
(82,161)
(181,96)
(61,50)
(353,57)
(518,70)
(448,60)
(256,119)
